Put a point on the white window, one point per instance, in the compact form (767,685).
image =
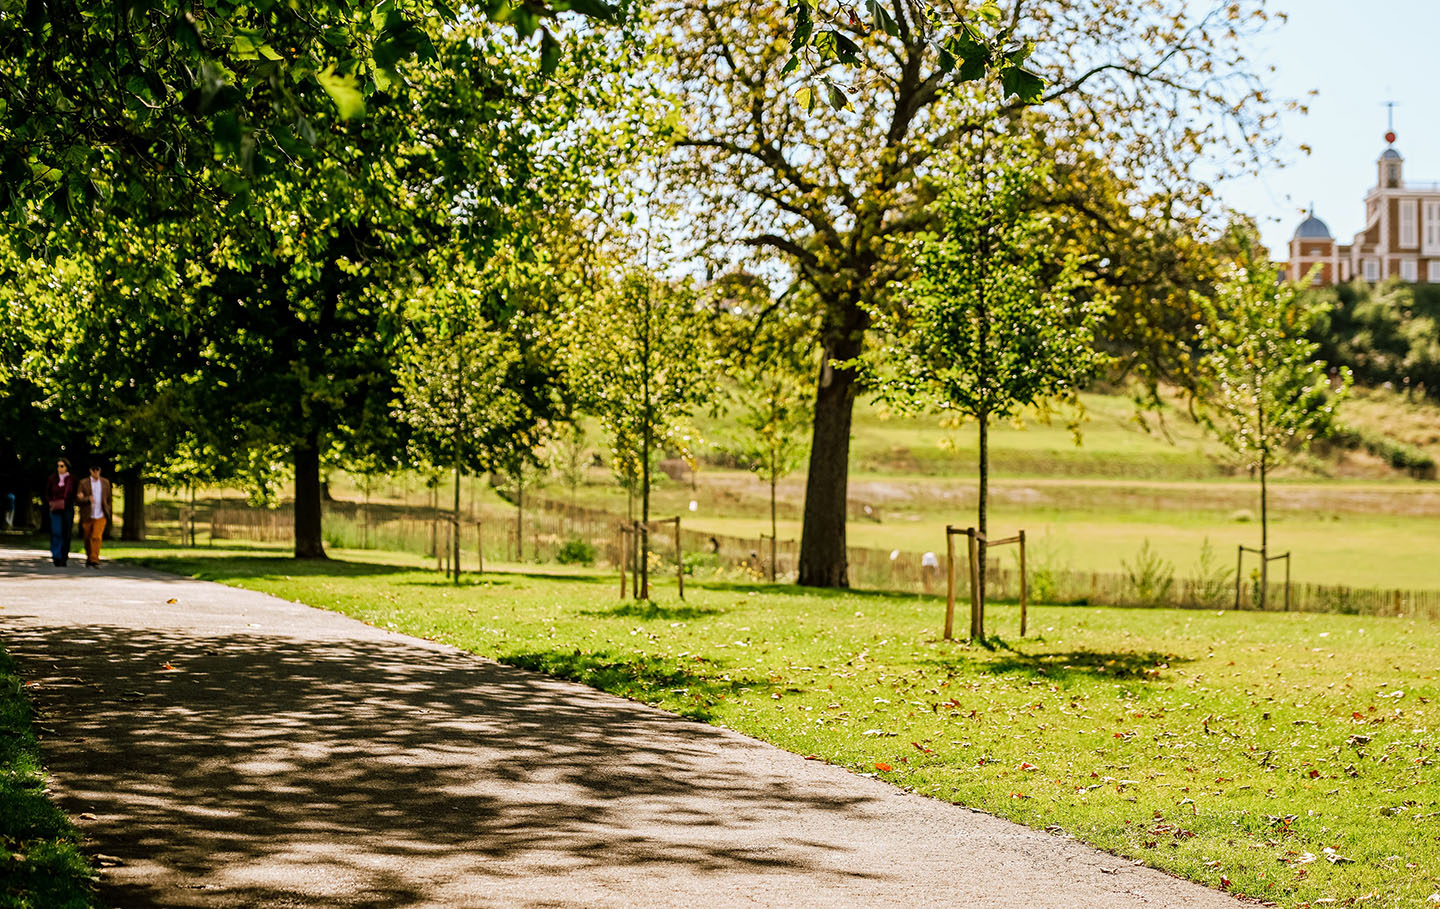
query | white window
(1408,235)
(1434,272)
(1432,228)
(1409,270)
(1372,270)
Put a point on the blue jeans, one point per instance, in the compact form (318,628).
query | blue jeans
(61,525)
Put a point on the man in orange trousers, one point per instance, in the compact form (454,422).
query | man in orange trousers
(96,508)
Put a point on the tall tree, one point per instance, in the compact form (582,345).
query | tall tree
(770,354)
(1157,86)
(1266,395)
(476,382)
(640,350)
(996,317)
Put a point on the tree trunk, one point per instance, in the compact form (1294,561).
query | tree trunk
(773,524)
(1264,535)
(309,542)
(519,516)
(823,559)
(132,530)
(455,529)
(982,520)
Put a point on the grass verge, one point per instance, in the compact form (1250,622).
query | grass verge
(1288,757)
(41,865)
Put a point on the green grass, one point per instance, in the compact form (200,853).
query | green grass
(41,865)
(1218,746)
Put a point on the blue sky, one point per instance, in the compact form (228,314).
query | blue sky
(1357,55)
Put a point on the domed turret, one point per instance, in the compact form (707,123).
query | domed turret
(1312,228)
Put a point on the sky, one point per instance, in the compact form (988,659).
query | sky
(1356,55)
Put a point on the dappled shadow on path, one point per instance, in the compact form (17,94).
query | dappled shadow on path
(255,769)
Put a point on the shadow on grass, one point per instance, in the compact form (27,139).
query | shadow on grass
(650,610)
(1129,665)
(640,677)
(795,590)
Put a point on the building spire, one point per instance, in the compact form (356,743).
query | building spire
(1390,122)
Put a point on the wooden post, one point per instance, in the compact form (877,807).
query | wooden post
(1023,589)
(949,582)
(479,549)
(435,541)
(774,571)
(974,584)
(679,560)
(1287,582)
(1264,577)
(635,554)
(1239,566)
(624,558)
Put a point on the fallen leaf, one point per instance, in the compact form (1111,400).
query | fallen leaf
(1334,857)
(172,600)
(168,668)
(883,767)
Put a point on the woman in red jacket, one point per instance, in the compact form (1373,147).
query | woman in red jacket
(60,491)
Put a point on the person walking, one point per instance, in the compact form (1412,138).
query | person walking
(60,492)
(96,507)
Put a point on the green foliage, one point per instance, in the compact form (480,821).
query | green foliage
(151,101)
(1387,334)
(1266,393)
(1151,577)
(640,353)
(575,551)
(997,317)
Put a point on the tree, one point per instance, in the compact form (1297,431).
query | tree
(476,382)
(997,317)
(1266,395)
(105,103)
(1155,87)
(771,353)
(640,350)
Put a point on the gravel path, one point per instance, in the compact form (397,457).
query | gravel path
(224,748)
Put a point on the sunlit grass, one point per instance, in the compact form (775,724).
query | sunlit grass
(41,865)
(1224,746)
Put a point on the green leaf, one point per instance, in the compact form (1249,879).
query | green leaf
(883,20)
(837,98)
(595,9)
(344,91)
(804,25)
(1022,83)
(790,66)
(549,52)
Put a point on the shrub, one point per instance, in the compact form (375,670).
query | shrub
(575,551)
(1151,577)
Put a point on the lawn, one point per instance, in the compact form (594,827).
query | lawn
(1282,756)
(41,866)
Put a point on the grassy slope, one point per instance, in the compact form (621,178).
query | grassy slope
(1222,747)
(41,865)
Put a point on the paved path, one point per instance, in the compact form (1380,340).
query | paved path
(226,748)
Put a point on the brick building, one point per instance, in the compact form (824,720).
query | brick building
(1401,236)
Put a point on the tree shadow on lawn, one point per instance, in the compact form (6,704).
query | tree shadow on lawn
(1129,665)
(259,769)
(823,593)
(1067,666)
(637,675)
(648,610)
